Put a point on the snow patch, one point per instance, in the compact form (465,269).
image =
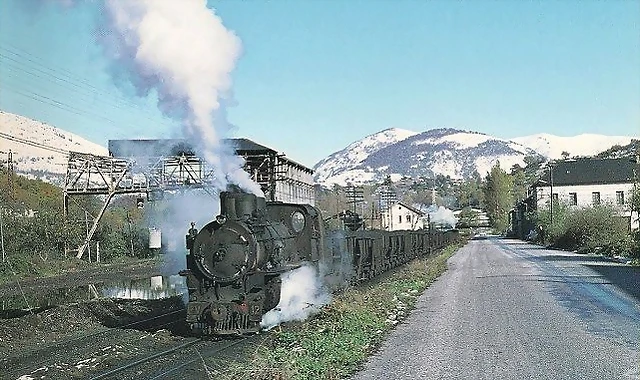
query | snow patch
(587,144)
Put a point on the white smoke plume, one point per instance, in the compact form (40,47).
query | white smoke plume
(302,295)
(182,50)
(173,216)
(442,216)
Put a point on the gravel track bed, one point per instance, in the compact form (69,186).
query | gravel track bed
(73,341)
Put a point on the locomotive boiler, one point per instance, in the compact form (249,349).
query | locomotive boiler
(234,262)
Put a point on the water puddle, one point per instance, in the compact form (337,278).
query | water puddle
(151,288)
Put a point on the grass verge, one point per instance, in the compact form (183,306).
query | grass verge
(25,267)
(335,343)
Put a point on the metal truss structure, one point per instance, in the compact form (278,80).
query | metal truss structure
(265,167)
(272,171)
(88,174)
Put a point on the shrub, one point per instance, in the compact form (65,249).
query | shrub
(597,229)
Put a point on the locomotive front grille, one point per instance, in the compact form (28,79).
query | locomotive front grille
(236,324)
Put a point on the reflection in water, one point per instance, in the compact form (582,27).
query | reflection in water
(149,288)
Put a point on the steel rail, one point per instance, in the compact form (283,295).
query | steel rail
(99,333)
(167,372)
(145,359)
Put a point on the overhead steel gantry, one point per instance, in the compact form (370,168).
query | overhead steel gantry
(88,174)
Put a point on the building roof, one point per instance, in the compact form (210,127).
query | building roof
(171,147)
(410,208)
(246,145)
(591,171)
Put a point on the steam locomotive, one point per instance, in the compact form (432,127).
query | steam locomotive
(235,262)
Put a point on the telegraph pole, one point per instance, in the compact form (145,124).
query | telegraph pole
(4,256)
(9,200)
(551,191)
(10,174)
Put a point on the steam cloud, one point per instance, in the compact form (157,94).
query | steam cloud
(442,215)
(182,50)
(302,295)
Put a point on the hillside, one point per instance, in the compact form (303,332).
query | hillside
(39,149)
(450,152)
(583,145)
(617,151)
(350,157)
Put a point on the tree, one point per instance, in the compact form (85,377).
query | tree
(498,194)
(532,163)
(470,194)
(564,154)
(520,183)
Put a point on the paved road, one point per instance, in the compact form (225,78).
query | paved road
(509,310)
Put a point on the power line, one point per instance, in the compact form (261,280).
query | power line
(88,93)
(66,76)
(60,105)
(32,143)
(16,60)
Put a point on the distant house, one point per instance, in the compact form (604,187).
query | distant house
(588,182)
(475,217)
(401,217)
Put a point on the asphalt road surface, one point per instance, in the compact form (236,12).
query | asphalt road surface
(510,310)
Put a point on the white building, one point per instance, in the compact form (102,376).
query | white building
(588,182)
(401,217)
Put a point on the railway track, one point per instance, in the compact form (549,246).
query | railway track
(69,353)
(181,371)
(182,361)
(118,371)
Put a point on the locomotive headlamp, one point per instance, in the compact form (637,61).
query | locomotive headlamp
(221,219)
(297,221)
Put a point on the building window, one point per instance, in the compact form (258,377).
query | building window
(595,198)
(408,218)
(573,199)
(399,218)
(620,197)
(554,196)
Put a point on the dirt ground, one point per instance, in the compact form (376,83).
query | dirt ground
(69,340)
(29,336)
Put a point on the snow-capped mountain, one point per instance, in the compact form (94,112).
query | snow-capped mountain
(587,144)
(452,152)
(350,157)
(40,150)
(456,153)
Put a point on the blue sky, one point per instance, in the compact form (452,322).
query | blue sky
(315,76)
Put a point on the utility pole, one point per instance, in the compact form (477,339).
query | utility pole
(10,174)
(551,191)
(4,257)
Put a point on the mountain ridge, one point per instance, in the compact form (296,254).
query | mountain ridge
(39,152)
(451,152)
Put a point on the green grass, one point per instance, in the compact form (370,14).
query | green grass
(23,267)
(335,343)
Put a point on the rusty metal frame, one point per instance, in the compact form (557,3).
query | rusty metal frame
(88,174)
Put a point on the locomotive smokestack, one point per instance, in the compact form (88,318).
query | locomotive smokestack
(240,205)
(228,205)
